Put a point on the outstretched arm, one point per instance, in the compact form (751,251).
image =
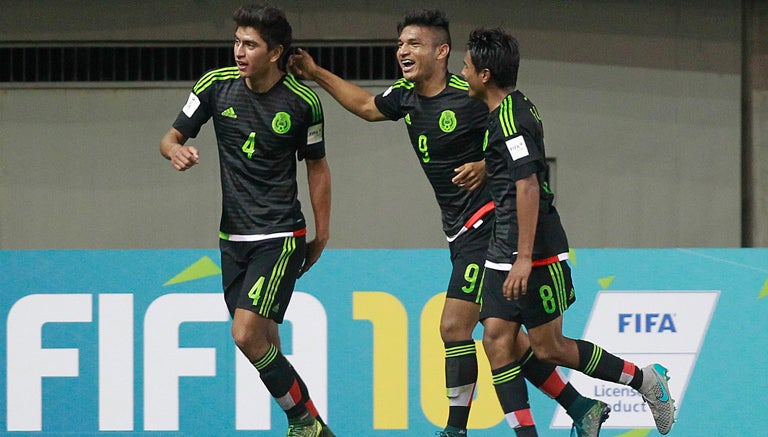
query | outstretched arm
(319,181)
(353,98)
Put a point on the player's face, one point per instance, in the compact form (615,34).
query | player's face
(253,57)
(417,53)
(473,78)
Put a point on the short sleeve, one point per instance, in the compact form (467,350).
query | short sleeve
(389,102)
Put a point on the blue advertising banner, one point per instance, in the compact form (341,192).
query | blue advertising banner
(137,343)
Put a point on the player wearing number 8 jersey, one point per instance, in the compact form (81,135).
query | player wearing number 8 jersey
(264,119)
(446,128)
(527,279)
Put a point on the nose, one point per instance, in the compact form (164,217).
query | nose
(238,49)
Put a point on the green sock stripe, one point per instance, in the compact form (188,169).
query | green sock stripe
(278,271)
(458,351)
(267,358)
(506,376)
(527,357)
(597,353)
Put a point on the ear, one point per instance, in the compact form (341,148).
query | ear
(443,50)
(276,53)
(485,75)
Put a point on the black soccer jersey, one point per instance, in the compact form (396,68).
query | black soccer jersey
(516,150)
(259,136)
(446,131)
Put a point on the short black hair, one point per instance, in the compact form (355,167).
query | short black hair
(271,24)
(433,18)
(496,51)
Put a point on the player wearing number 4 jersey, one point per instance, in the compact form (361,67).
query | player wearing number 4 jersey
(447,128)
(264,119)
(527,279)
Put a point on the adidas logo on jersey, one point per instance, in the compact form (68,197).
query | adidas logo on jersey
(229,112)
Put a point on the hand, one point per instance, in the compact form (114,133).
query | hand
(517,279)
(314,250)
(184,157)
(301,64)
(470,176)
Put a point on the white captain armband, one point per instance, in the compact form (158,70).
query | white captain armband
(192,104)
(315,134)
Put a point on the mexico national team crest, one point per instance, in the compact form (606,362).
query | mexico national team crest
(447,121)
(281,123)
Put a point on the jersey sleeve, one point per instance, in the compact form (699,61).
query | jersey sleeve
(313,146)
(389,103)
(195,113)
(523,153)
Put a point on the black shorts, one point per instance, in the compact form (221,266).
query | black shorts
(467,258)
(550,293)
(260,276)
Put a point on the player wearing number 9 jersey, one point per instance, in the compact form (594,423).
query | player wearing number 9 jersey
(447,129)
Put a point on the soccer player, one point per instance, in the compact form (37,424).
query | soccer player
(527,279)
(264,119)
(447,128)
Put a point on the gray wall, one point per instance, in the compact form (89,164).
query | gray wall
(640,101)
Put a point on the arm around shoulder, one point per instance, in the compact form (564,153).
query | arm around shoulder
(352,97)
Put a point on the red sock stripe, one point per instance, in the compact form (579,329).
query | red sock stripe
(524,417)
(311,408)
(554,385)
(295,392)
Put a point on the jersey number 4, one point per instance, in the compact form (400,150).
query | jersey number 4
(250,145)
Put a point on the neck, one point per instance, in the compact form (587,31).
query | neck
(494,96)
(264,83)
(432,86)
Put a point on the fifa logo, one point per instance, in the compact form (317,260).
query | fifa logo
(650,322)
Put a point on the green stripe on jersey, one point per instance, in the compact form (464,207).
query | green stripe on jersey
(507,117)
(307,94)
(458,83)
(227,73)
(404,83)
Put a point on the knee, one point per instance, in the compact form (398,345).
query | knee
(453,329)
(250,343)
(495,341)
(551,351)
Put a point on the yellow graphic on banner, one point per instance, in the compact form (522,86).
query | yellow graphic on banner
(390,356)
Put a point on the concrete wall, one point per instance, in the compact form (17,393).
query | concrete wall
(640,101)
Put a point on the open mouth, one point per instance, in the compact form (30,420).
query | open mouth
(407,64)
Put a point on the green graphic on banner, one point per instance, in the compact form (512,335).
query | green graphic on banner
(203,268)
